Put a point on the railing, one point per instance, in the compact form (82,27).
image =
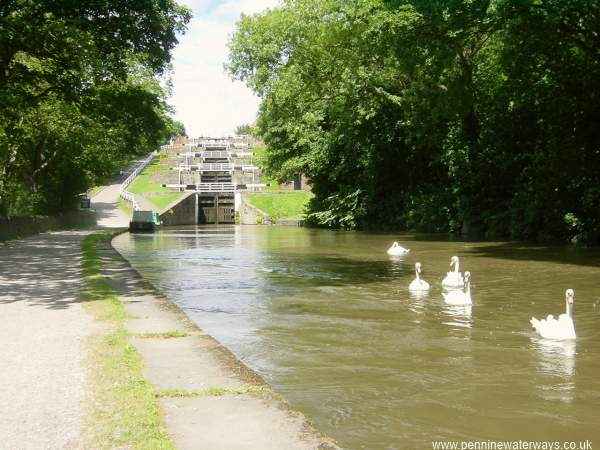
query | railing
(215,167)
(217,143)
(214,154)
(215,187)
(205,167)
(124,193)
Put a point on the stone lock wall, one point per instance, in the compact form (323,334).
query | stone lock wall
(183,213)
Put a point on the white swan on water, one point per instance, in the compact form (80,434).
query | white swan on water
(561,328)
(454,279)
(459,296)
(397,249)
(418,284)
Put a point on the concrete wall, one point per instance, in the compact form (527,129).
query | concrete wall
(20,226)
(251,215)
(183,213)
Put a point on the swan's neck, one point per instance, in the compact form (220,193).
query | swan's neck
(417,274)
(570,309)
(468,288)
(456,267)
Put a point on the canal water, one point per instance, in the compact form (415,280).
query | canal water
(326,318)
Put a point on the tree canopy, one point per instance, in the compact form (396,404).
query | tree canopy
(80,93)
(434,115)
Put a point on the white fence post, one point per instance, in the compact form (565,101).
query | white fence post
(124,193)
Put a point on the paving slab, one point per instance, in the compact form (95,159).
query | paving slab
(149,318)
(184,363)
(242,422)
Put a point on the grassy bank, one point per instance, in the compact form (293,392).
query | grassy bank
(159,196)
(282,205)
(124,411)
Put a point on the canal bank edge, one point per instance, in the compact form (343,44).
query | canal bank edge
(210,399)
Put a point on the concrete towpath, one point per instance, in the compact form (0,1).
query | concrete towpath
(108,213)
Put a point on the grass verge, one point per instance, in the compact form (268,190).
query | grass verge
(283,205)
(212,392)
(124,410)
(161,201)
(166,335)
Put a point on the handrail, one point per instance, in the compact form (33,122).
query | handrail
(215,187)
(215,154)
(124,193)
(215,167)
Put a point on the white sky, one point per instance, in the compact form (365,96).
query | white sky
(205,99)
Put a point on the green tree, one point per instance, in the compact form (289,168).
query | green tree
(78,93)
(473,116)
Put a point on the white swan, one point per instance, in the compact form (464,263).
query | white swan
(418,284)
(453,279)
(458,296)
(561,328)
(397,249)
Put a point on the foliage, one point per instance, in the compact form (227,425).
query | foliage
(79,94)
(433,115)
(176,128)
(245,128)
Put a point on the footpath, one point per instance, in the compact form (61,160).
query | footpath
(209,399)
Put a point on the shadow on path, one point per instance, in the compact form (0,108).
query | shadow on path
(43,270)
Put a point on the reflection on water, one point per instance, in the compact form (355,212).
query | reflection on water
(556,357)
(327,319)
(460,315)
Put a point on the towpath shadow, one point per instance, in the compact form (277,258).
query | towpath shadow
(43,270)
(109,215)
